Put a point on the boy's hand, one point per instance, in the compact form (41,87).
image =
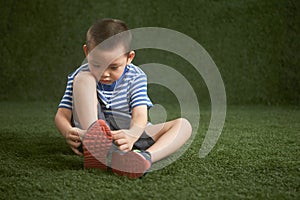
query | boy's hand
(125,139)
(73,138)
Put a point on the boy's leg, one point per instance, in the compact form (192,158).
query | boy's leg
(85,100)
(168,137)
(97,140)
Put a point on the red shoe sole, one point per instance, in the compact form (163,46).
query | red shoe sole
(96,144)
(131,164)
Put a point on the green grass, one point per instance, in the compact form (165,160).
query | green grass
(256,157)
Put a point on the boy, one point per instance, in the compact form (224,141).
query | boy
(106,99)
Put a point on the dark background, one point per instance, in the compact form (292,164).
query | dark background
(254,43)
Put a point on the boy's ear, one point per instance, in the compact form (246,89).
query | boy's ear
(130,57)
(85,49)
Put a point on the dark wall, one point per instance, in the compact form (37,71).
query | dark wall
(254,43)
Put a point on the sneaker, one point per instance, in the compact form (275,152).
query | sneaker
(133,164)
(96,145)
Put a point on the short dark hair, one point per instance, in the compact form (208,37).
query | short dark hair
(103,29)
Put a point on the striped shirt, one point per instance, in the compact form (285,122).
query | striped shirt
(129,91)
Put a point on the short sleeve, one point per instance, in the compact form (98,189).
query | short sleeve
(138,92)
(67,99)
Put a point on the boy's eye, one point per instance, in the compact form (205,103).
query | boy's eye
(114,68)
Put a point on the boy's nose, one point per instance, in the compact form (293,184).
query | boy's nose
(106,74)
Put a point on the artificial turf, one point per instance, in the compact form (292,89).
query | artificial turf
(256,157)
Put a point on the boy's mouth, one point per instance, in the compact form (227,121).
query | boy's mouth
(105,81)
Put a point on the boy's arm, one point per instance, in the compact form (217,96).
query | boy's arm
(63,120)
(71,134)
(125,139)
(139,120)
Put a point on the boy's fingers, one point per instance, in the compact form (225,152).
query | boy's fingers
(78,132)
(73,137)
(75,150)
(120,142)
(124,148)
(118,136)
(74,144)
(73,132)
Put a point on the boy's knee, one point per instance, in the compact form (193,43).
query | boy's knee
(84,78)
(186,125)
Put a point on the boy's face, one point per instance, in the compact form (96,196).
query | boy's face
(108,65)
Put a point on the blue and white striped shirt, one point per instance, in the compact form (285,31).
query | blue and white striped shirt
(129,91)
